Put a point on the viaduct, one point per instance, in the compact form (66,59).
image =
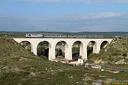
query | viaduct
(52,42)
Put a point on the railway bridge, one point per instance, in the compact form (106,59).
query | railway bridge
(68,44)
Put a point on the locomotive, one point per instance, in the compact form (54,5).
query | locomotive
(33,35)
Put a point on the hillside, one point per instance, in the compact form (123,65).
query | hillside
(19,67)
(115,53)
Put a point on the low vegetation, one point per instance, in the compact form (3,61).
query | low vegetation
(116,51)
(20,67)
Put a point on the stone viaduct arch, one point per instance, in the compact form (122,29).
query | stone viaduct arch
(104,44)
(80,45)
(44,44)
(68,45)
(93,44)
(26,44)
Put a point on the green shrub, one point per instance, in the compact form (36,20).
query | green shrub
(124,54)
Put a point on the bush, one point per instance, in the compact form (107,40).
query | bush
(124,54)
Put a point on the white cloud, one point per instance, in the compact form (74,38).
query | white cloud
(90,16)
(104,15)
(81,1)
(43,1)
(109,21)
(105,1)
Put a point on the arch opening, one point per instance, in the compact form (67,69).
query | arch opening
(43,49)
(91,47)
(76,50)
(60,49)
(26,45)
(104,44)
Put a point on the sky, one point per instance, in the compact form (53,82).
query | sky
(64,15)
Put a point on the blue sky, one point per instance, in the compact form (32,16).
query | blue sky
(64,15)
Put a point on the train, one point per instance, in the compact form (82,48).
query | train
(30,35)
